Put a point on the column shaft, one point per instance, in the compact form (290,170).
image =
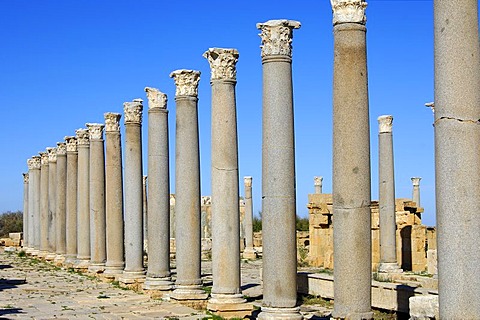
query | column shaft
(52,203)
(35,212)
(71,202)
(83,199)
(25,210)
(61,205)
(44,205)
(249,252)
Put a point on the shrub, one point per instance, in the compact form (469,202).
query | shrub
(11,222)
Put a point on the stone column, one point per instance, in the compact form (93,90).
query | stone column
(61,203)
(34,204)
(158,218)
(457,156)
(278,173)
(133,192)
(187,187)
(83,199)
(145,212)
(44,205)
(226,294)
(113,196)
(318,183)
(249,252)
(71,202)
(416,190)
(52,202)
(351,163)
(29,236)
(388,225)
(25,211)
(98,251)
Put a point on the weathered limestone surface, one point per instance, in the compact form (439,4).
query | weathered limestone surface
(52,199)
(83,199)
(71,200)
(34,205)
(318,182)
(25,209)
(60,202)
(44,205)
(416,190)
(424,307)
(249,252)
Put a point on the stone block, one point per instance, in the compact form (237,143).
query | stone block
(15,235)
(424,307)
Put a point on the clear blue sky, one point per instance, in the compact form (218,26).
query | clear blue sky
(65,63)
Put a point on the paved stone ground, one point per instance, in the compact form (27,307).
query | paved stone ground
(33,289)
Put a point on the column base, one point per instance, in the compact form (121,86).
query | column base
(353,316)
(29,250)
(130,277)
(186,292)
(113,271)
(250,254)
(96,267)
(162,284)
(272,313)
(42,254)
(69,261)
(389,267)
(35,252)
(50,256)
(229,306)
(59,259)
(81,264)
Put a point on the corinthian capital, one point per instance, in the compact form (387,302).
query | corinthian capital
(25,177)
(133,111)
(416,181)
(71,143)
(52,154)
(247,181)
(186,82)
(385,124)
(61,149)
(317,181)
(83,138)
(349,11)
(277,37)
(222,63)
(30,163)
(112,121)
(156,98)
(36,162)
(95,130)
(43,158)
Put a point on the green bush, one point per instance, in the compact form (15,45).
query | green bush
(11,222)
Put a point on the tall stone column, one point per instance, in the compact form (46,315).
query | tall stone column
(278,173)
(71,202)
(61,203)
(158,217)
(351,163)
(457,156)
(52,202)
(133,192)
(187,187)
(98,251)
(34,204)
(388,225)
(113,196)
(29,237)
(416,190)
(83,199)
(25,210)
(44,205)
(226,294)
(249,252)
(318,183)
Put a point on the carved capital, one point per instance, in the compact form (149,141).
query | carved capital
(95,130)
(222,63)
(52,154)
(36,162)
(43,158)
(385,124)
(83,138)
(30,163)
(277,37)
(186,82)
(156,98)
(349,11)
(431,105)
(317,181)
(416,181)
(25,177)
(71,143)
(133,111)
(206,200)
(112,121)
(61,148)
(247,181)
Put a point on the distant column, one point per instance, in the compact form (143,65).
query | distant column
(113,196)
(351,163)
(25,209)
(83,199)
(34,208)
(187,188)
(52,202)
(71,203)
(98,254)
(158,217)
(249,252)
(43,205)
(278,173)
(416,190)
(28,223)
(61,203)
(318,183)
(133,192)
(457,157)
(388,225)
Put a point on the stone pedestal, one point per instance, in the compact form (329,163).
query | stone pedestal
(98,254)
(71,201)
(113,196)
(43,205)
(158,217)
(351,164)
(187,188)
(249,252)
(83,199)
(416,190)
(60,203)
(25,210)
(457,157)
(133,192)
(278,173)
(52,202)
(34,204)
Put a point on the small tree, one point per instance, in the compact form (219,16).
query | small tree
(257,222)
(11,222)
(302,224)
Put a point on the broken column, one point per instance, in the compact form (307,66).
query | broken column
(351,163)
(43,205)
(416,190)
(98,253)
(386,202)
(249,252)
(52,200)
(71,201)
(25,210)
(318,181)
(158,217)
(83,199)
(457,156)
(278,173)
(187,188)
(60,203)
(113,196)
(133,193)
